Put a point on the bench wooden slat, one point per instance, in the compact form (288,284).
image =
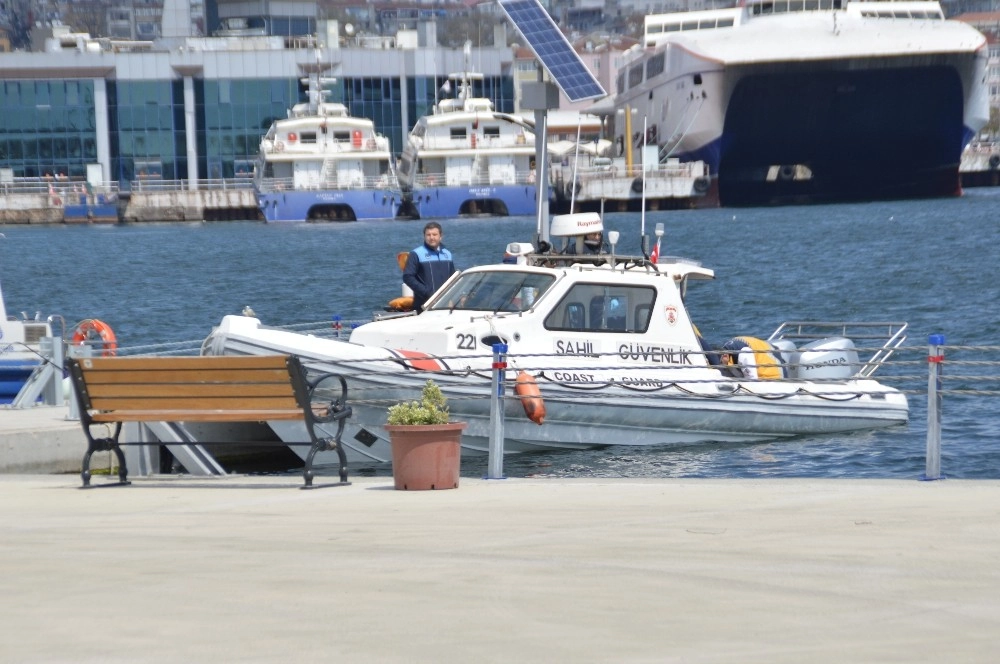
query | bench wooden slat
(192,390)
(179,415)
(193,403)
(184,376)
(207,362)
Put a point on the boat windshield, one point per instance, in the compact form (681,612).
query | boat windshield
(494,291)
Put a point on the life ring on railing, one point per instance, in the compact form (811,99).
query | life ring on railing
(531,397)
(90,330)
(356,138)
(292,137)
(279,146)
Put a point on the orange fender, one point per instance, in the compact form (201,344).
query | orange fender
(531,397)
(401,304)
(90,330)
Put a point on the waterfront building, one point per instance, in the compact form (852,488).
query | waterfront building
(195,108)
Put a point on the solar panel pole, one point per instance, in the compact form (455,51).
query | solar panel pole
(542,170)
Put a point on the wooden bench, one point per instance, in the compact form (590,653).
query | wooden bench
(115,390)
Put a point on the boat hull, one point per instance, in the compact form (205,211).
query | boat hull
(472,200)
(328,205)
(577,418)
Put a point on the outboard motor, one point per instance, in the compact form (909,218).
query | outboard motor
(833,358)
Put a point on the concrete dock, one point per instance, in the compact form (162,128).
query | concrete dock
(253,569)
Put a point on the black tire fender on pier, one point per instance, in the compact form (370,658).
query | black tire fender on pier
(572,188)
(994,160)
(786,172)
(702,184)
(637,185)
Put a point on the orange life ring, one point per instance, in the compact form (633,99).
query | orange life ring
(292,137)
(88,331)
(531,397)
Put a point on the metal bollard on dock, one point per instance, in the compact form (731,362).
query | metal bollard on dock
(935,362)
(495,467)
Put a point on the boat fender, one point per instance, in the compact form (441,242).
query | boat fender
(92,329)
(401,304)
(701,184)
(637,185)
(531,397)
(994,161)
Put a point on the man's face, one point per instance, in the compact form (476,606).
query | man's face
(432,238)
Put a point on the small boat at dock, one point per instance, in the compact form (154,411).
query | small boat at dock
(608,342)
(322,164)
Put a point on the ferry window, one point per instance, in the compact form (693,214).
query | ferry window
(308,137)
(634,76)
(491,132)
(674,27)
(342,136)
(689,25)
(621,83)
(603,308)
(725,22)
(498,291)
(458,132)
(654,67)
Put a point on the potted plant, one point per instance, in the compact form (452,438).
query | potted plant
(426,447)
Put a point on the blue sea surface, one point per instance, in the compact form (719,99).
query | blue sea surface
(930,263)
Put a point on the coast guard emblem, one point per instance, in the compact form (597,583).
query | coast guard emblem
(671,312)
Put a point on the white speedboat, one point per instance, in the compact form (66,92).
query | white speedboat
(20,352)
(322,164)
(809,100)
(468,159)
(608,343)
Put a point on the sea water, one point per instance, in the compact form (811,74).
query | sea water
(930,263)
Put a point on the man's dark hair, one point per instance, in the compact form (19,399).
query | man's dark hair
(432,224)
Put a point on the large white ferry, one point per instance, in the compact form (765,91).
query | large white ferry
(809,100)
(468,159)
(322,164)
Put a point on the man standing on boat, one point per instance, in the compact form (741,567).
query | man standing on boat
(428,266)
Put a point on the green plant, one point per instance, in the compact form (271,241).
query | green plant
(431,409)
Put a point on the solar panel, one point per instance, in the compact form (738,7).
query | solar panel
(552,49)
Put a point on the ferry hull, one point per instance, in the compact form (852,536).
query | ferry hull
(331,205)
(862,134)
(487,200)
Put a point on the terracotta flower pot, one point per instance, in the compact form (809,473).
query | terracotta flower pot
(426,456)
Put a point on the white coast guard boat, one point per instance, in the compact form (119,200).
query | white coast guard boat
(467,159)
(610,346)
(20,352)
(322,164)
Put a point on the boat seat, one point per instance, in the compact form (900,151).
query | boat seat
(575,317)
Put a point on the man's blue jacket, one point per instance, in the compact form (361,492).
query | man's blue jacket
(426,269)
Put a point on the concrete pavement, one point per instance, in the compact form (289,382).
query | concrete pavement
(253,569)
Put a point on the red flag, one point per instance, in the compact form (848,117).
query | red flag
(655,256)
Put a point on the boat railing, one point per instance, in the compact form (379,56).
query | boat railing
(332,182)
(325,146)
(865,335)
(692,169)
(475,179)
(479,143)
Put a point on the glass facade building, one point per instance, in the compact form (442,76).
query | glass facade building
(133,118)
